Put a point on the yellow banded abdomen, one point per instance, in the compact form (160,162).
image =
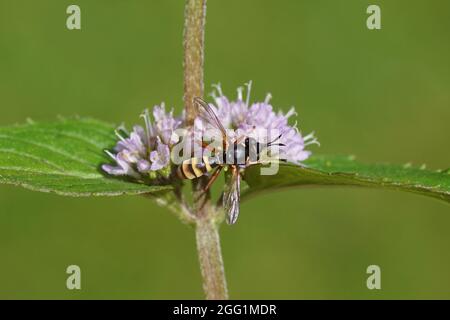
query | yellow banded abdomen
(195,168)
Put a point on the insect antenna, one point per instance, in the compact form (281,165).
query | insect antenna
(271,143)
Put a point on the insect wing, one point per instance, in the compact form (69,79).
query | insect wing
(207,113)
(232,194)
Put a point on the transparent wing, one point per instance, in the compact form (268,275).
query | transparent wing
(232,194)
(207,113)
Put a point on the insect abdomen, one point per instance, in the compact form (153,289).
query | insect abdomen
(195,168)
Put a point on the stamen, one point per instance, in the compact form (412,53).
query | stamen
(110,154)
(249,89)
(239,90)
(218,88)
(315,141)
(118,135)
(123,129)
(291,112)
(312,138)
(268,98)
(148,124)
(309,136)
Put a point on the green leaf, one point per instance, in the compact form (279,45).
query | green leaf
(345,171)
(63,157)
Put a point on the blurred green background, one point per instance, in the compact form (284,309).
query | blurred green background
(381,95)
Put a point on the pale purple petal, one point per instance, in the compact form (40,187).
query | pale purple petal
(165,124)
(249,120)
(143,165)
(160,157)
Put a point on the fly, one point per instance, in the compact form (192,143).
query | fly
(236,155)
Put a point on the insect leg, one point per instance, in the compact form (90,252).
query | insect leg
(212,178)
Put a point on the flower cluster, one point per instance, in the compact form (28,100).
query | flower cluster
(147,151)
(250,120)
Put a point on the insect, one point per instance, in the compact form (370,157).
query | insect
(235,155)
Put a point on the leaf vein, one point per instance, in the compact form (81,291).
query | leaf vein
(50,148)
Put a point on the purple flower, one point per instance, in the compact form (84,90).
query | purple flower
(250,119)
(123,166)
(165,124)
(145,150)
(160,157)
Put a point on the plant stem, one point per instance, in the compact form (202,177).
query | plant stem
(206,218)
(194,32)
(210,256)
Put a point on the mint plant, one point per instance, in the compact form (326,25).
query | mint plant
(86,157)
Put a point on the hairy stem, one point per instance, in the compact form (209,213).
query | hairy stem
(210,256)
(194,32)
(206,218)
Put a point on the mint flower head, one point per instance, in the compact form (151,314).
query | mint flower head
(147,150)
(248,119)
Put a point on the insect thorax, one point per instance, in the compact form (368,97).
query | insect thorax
(240,154)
